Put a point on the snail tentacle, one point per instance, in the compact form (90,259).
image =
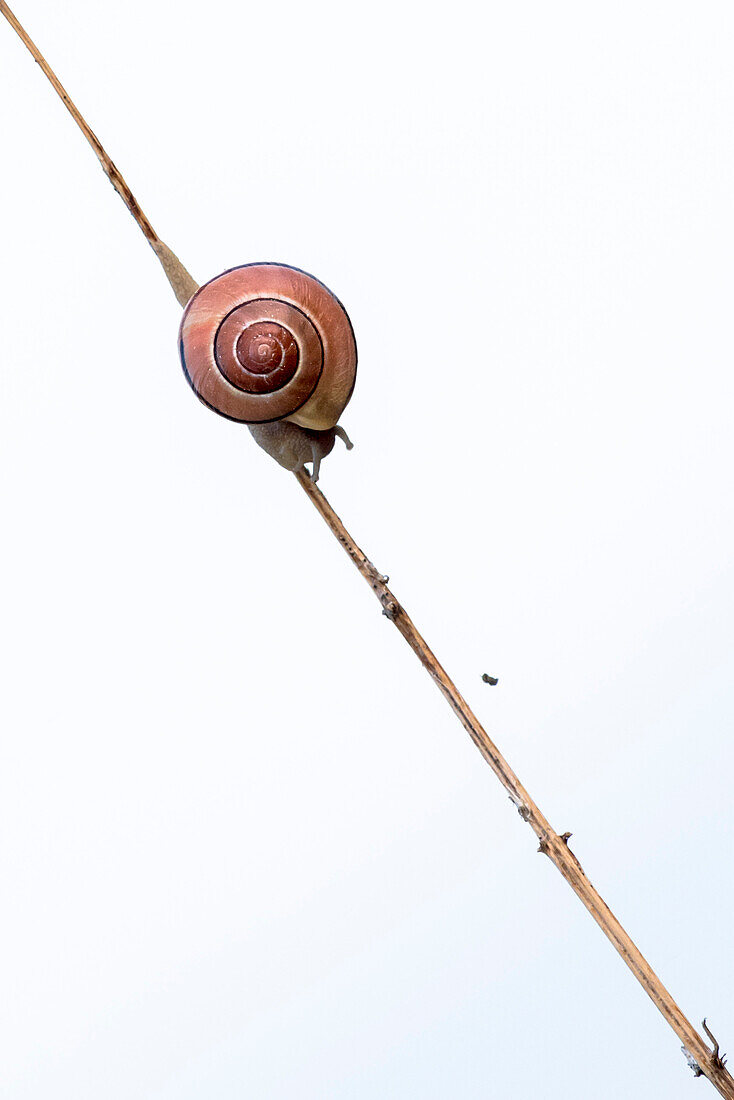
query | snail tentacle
(339,431)
(315,464)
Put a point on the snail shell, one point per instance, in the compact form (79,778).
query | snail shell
(267,342)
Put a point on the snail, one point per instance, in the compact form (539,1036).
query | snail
(265,344)
(270,346)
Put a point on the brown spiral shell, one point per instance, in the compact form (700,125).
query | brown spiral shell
(268,342)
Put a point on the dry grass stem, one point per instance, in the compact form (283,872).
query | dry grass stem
(181,282)
(550,843)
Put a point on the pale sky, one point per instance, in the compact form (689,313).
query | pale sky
(246,850)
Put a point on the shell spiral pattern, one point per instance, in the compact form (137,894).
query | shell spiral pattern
(268,342)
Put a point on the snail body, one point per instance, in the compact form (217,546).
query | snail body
(293,446)
(270,346)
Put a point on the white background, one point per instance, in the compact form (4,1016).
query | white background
(247,850)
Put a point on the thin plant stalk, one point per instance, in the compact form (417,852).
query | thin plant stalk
(703,1060)
(708,1062)
(182,284)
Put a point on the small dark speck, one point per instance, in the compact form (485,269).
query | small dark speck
(493,680)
